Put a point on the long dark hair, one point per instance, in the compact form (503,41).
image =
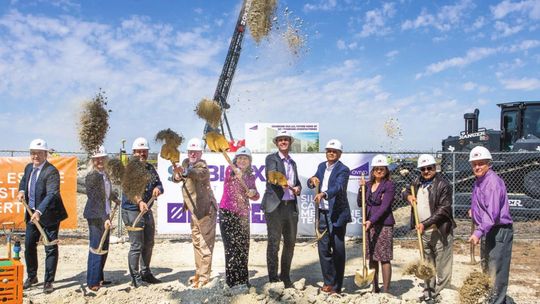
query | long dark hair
(385,177)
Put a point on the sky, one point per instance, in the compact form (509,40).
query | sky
(393,76)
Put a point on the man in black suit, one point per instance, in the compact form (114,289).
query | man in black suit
(40,187)
(332,177)
(280,209)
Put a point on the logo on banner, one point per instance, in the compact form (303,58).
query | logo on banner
(175,213)
(359,170)
(257,215)
(217,173)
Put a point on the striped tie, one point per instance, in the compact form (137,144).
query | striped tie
(32,192)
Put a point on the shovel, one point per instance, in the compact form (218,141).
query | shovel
(44,237)
(317,217)
(364,277)
(217,143)
(471,248)
(277,178)
(424,271)
(133,226)
(99,250)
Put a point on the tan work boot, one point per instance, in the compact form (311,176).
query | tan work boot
(194,281)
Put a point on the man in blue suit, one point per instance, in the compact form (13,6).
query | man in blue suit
(40,187)
(334,213)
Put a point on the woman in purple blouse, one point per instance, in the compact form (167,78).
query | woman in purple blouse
(380,221)
(234,217)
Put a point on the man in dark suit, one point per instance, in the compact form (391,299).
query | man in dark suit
(334,213)
(40,187)
(280,208)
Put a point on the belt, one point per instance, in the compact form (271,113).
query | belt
(503,226)
(288,202)
(323,210)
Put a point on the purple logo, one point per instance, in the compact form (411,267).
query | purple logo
(257,215)
(362,169)
(255,127)
(217,173)
(175,213)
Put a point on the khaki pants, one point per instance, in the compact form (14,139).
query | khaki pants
(203,235)
(441,256)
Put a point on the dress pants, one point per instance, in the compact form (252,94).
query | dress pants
(142,242)
(51,252)
(496,253)
(441,256)
(96,262)
(282,221)
(235,235)
(332,252)
(203,236)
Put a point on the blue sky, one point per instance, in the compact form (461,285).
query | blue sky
(420,63)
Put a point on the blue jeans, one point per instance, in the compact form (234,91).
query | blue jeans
(96,262)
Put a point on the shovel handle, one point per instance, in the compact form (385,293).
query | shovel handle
(140,215)
(364,234)
(228,159)
(104,235)
(416,222)
(46,241)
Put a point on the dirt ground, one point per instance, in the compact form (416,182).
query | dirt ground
(173,263)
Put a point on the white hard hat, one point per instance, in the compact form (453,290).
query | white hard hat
(243,151)
(425,160)
(479,153)
(282,133)
(39,144)
(140,143)
(194,144)
(334,144)
(379,160)
(100,152)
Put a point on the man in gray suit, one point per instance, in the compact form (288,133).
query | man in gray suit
(280,208)
(40,187)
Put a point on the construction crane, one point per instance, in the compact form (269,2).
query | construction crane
(229,67)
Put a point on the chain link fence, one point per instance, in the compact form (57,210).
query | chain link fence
(519,170)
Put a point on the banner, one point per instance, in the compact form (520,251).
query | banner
(11,172)
(171,219)
(259,136)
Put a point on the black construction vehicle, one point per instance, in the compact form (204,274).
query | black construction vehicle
(516,157)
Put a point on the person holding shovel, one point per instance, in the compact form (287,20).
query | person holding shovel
(200,201)
(380,220)
(332,177)
(97,212)
(490,211)
(434,204)
(280,209)
(40,188)
(142,241)
(234,217)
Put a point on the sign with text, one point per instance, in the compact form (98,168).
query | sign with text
(259,136)
(172,218)
(11,172)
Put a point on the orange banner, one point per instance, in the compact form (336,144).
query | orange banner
(11,172)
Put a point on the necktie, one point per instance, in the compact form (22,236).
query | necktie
(32,192)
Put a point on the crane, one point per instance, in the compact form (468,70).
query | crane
(229,67)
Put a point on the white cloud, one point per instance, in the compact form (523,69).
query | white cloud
(524,84)
(528,7)
(322,5)
(342,45)
(447,17)
(472,86)
(472,55)
(392,54)
(524,46)
(375,21)
(502,29)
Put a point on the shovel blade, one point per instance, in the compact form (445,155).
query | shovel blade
(216,142)
(363,278)
(319,234)
(97,251)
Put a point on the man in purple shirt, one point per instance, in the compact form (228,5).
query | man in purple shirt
(490,211)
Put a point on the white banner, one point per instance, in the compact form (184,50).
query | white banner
(259,136)
(170,218)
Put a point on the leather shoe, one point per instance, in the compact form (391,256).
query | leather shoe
(105,283)
(149,278)
(48,287)
(327,288)
(288,284)
(29,282)
(137,282)
(94,288)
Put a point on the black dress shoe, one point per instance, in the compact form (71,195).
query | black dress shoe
(288,284)
(29,282)
(150,279)
(137,282)
(48,287)
(105,283)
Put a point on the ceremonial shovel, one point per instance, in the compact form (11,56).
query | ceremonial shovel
(99,250)
(363,278)
(44,238)
(317,215)
(133,226)
(471,248)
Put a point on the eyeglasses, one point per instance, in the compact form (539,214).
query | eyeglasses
(428,168)
(332,151)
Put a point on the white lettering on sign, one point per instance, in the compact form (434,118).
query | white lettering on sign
(515,203)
